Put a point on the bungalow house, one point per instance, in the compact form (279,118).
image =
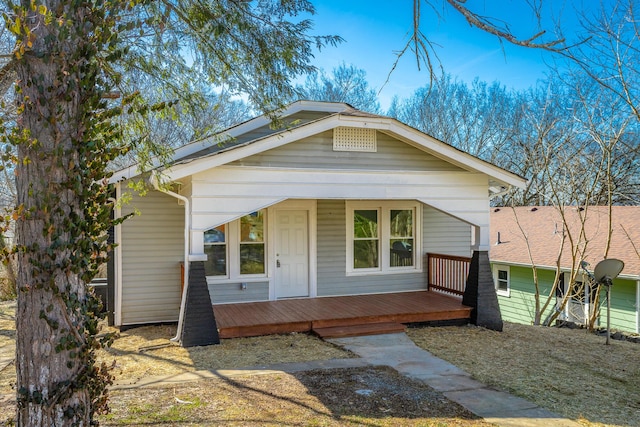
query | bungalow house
(526,236)
(332,202)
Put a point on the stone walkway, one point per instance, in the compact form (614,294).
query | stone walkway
(401,354)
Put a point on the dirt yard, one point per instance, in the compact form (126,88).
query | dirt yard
(363,396)
(355,396)
(567,371)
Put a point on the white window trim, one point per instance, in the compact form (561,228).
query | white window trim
(384,208)
(232,240)
(496,268)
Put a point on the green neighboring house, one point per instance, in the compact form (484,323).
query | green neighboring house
(512,256)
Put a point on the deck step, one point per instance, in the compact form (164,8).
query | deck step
(359,330)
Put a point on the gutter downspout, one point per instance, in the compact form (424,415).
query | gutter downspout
(187,226)
(501,193)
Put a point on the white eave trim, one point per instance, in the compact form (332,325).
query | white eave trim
(453,155)
(384,124)
(258,122)
(182,170)
(233,132)
(630,277)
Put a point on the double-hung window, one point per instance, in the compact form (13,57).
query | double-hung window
(501,278)
(366,243)
(215,247)
(252,243)
(237,249)
(401,237)
(381,237)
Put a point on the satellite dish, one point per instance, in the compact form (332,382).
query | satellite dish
(607,270)
(604,273)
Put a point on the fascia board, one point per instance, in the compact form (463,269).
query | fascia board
(268,143)
(233,132)
(257,122)
(435,147)
(122,174)
(453,155)
(387,125)
(554,268)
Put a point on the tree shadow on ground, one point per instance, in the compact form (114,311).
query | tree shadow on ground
(368,396)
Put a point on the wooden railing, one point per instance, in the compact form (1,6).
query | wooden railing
(447,273)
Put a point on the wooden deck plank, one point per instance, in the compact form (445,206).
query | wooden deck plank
(300,315)
(359,330)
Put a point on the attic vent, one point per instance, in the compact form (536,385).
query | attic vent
(354,139)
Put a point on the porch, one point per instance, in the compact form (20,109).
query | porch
(338,316)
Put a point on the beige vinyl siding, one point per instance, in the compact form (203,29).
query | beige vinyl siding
(224,293)
(332,278)
(317,152)
(152,248)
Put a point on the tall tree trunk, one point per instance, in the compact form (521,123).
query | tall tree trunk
(56,94)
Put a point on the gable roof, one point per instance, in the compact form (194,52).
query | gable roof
(543,228)
(244,140)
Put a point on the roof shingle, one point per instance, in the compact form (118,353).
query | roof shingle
(536,233)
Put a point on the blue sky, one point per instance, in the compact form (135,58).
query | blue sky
(375,29)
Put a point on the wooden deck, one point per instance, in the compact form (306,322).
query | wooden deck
(303,315)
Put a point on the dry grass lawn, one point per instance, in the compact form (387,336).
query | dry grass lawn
(145,351)
(567,371)
(355,396)
(570,372)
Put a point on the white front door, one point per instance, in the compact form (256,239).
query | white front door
(292,254)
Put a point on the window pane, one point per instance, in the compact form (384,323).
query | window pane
(402,223)
(365,254)
(365,224)
(252,227)
(216,264)
(578,292)
(503,280)
(401,253)
(216,235)
(252,259)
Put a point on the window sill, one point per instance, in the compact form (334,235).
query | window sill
(211,280)
(383,272)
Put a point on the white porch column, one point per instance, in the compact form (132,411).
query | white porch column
(481,238)
(197,244)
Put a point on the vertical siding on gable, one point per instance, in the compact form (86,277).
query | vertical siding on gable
(438,235)
(152,248)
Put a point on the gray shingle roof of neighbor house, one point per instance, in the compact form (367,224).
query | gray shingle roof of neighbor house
(543,227)
(308,116)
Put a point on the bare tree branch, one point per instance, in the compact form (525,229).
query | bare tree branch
(7,76)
